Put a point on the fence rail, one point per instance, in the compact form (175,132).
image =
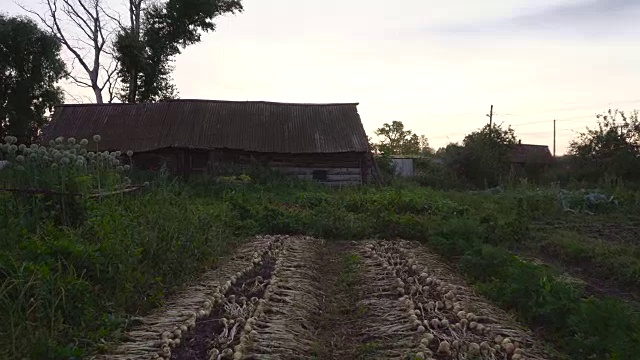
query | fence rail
(127,189)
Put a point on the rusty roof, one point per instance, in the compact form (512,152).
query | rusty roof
(208,124)
(529,153)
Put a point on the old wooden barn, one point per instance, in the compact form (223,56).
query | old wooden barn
(324,142)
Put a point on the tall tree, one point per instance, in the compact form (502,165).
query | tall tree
(30,67)
(85,29)
(398,141)
(147,46)
(485,156)
(612,148)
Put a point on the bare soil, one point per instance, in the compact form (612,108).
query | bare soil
(196,344)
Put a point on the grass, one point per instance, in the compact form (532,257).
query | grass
(339,322)
(66,291)
(618,263)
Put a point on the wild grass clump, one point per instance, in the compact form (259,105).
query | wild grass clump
(70,291)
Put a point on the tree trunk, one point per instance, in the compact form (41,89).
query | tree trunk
(98,92)
(134,14)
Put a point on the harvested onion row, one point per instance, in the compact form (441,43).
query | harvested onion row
(387,329)
(219,335)
(437,310)
(154,336)
(281,327)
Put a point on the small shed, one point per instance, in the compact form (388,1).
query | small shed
(323,142)
(404,165)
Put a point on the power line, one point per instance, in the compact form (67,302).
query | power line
(581,107)
(573,119)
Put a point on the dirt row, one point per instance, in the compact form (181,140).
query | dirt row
(284,297)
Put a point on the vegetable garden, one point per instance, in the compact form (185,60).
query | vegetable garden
(180,271)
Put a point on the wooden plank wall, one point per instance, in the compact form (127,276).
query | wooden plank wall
(342,169)
(335,176)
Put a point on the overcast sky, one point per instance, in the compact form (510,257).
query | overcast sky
(435,67)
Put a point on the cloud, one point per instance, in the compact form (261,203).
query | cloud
(585,19)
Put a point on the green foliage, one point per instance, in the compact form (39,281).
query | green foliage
(135,250)
(30,67)
(613,148)
(398,141)
(51,181)
(619,263)
(482,161)
(484,158)
(63,290)
(146,50)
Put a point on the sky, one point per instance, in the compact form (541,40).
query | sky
(436,66)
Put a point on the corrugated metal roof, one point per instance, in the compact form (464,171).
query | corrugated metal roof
(207,124)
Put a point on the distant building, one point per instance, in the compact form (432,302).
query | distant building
(323,142)
(529,154)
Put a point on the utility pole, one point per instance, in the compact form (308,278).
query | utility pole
(554,137)
(490,115)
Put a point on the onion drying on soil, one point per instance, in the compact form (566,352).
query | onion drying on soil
(268,300)
(442,318)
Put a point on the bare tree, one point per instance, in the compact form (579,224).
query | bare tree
(90,45)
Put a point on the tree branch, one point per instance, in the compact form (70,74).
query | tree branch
(86,15)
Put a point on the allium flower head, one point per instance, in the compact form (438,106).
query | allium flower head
(52,143)
(64,160)
(146,183)
(96,138)
(127,167)
(115,162)
(83,152)
(54,166)
(57,156)
(118,153)
(84,142)
(22,147)
(129,153)
(34,147)
(71,141)
(119,168)
(13,148)
(59,140)
(20,159)
(79,163)
(72,157)
(33,156)
(126,181)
